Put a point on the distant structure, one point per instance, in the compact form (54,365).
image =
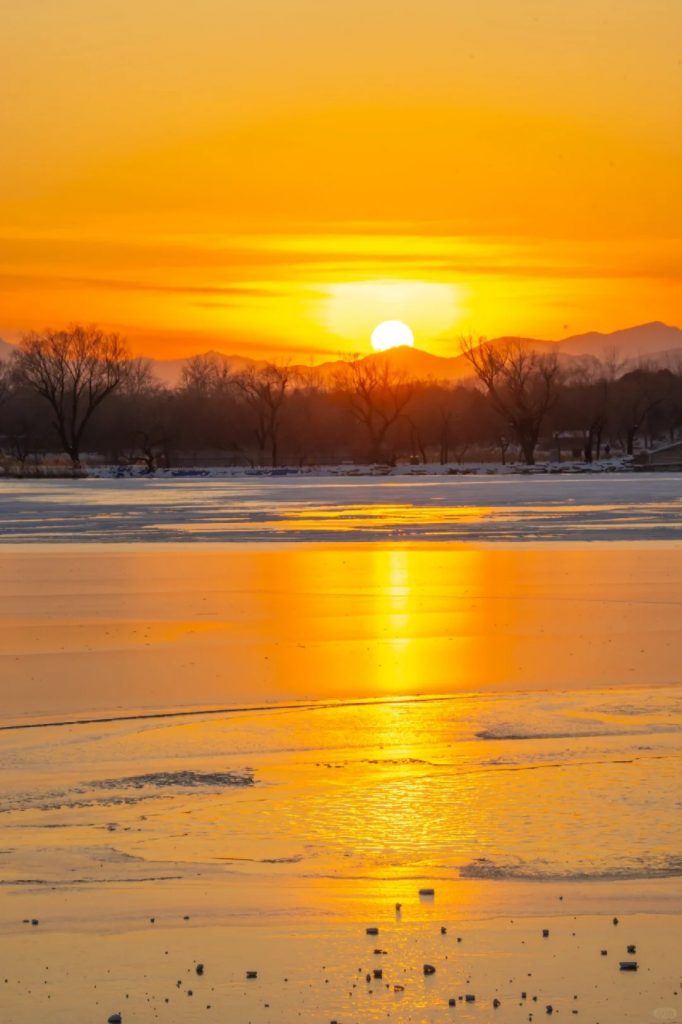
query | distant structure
(668,457)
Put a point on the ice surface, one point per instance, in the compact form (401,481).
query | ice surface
(614,506)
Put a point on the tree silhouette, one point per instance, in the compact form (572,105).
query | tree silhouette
(377,396)
(521,383)
(74,371)
(264,391)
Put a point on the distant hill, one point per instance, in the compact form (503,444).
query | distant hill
(413,362)
(169,371)
(647,341)
(656,343)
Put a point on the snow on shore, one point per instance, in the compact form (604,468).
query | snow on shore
(617,465)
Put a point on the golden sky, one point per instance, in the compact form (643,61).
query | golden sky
(274,177)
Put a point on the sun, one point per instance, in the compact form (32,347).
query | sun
(391,334)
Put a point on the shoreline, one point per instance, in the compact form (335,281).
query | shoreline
(617,464)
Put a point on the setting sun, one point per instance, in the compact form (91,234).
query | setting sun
(391,334)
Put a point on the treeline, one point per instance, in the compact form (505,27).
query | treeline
(79,391)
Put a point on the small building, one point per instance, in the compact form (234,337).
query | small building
(667,457)
(565,442)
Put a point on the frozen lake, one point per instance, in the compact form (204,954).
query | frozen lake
(511,508)
(299,730)
(206,726)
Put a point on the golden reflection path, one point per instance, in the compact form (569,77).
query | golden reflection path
(95,628)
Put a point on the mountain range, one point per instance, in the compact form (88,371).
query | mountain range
(655,343)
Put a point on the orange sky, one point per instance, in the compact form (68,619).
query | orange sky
(277,176)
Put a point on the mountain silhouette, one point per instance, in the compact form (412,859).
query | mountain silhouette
(655,343)
(642,342)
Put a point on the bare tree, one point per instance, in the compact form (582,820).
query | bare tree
(521,384)
(5,381)
(206,374)
(378,396)
(143,404)
(264,391)
(139,381)
(432,420)
(591,383)
(640,392)
(459,416)
(24,426)
(148,448)
(74,371)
